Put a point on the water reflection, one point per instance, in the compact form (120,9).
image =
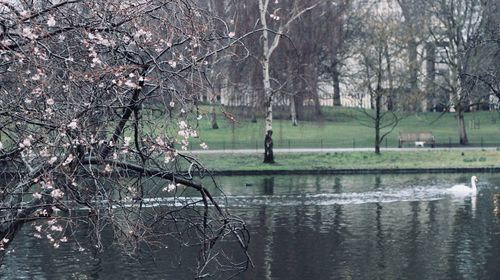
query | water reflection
(319,227)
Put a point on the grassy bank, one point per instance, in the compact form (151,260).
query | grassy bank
(355,160)
(342,128)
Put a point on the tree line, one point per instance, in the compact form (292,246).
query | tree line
(390,57)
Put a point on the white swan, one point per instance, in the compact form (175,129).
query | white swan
(463,189)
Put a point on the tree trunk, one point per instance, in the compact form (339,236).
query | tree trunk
(390,100)
(293,111)
(314,91)
(336,84)
(413,61)
(267,51)
(299,105)
(213,118)
(430,69)
(462,133)
(378,104)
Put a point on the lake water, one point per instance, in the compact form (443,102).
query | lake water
(320,227)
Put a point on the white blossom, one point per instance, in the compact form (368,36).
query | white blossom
(131,84)
(172,63)
(57,193)
(51,21)
(73,124)
(169,188)
(52,160)
(68,160)
(26,142)
(108,168)
(56,228)
(126,141)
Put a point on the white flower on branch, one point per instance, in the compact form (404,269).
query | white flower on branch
(52,160)
(28,33)
(26,142)
(73,124)
(131,84)
(56,228)
(172,63)
(50,101)
(37,195)
(57,193)
(126,141)
(169,188)
(159,141)
(68,160)
(51,21)
(46,185)
(108,168)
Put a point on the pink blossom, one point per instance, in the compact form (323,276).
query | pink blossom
(57,193)
(73,124)
(169,188)
(52,160)
(68,160)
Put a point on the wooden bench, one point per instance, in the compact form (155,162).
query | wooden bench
(419,138)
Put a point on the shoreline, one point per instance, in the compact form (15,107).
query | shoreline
(356,171)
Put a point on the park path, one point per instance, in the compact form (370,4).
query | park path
(336,150)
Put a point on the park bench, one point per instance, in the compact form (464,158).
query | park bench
(419,138)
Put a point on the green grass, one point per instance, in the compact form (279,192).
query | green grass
(345,130)
(355,160)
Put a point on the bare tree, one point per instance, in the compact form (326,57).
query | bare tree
(270,41)
(454,27)
(378,52)
(95,104)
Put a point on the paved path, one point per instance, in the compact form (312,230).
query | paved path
(336,150)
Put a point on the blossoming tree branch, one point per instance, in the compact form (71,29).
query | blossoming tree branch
(97,106)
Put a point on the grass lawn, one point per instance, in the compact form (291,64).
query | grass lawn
(355,160)
(346,131)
